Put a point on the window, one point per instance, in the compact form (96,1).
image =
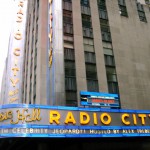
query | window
(112,79)
(102,9)
(84,2)
(67,5)
(86,21)
(141,12)
(70,68)
(88,44)
(123,9)
(90,57)
(113,87)
(91,71)
(103,14)
(101,4)
(67,22)
(109,60)
(106,36)
(67,16)
(85,10)
(70,84)
(69,54)
(68,28)
(71,98)
(147,2)
(70,77)
(92,85)
(88,32)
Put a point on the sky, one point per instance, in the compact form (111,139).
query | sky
(6,19)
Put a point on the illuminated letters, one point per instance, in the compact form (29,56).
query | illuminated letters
(54,117)
(142,116)
(12,93)
(105,118)
(16,51)
(124,116)
(18,35)
(15,70)
(70,118)
(13,99)
(14,81)
(50,34)
(84,118)
(19,19)
(95,118)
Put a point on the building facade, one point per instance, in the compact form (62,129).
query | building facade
(84,45)
(71,49)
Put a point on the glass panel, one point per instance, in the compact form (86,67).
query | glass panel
(108,51)
(90,57)
(70,83)
(69,54)
(92,85)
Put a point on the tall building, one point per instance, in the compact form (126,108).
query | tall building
(84,45)
(90,55)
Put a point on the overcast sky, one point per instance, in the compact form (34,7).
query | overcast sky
(6,18)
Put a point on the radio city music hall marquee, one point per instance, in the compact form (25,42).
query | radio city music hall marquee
(48,121)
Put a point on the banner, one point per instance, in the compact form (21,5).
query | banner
(19,120)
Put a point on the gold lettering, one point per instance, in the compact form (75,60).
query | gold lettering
(84,118)
(20,11)
(105,118)
(50,35)
(16,51)
(50,58)
(95,118)
(142,116)
(123,118)
(70,118)
(13,99)
(36,114)
(18,35)
(14,82)
(12,93)
(5,115)
(25,117)
(51,18)
(50,1)
(54,117)
(15,70)
(19,19)
(134,119)
(21,3)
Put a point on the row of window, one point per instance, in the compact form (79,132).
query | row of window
(90,60)
(107,48)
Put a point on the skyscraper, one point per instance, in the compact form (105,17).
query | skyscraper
(95,46)
(90,54)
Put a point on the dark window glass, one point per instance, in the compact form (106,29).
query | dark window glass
(84,2)
(113,87)
(106,36)
(122,7)
(90,57)
(141,12)
(86,21)
(92,85)
(109,60)
(69,54)
(70,83)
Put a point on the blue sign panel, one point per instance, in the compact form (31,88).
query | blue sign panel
(19,120)
(99,99)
